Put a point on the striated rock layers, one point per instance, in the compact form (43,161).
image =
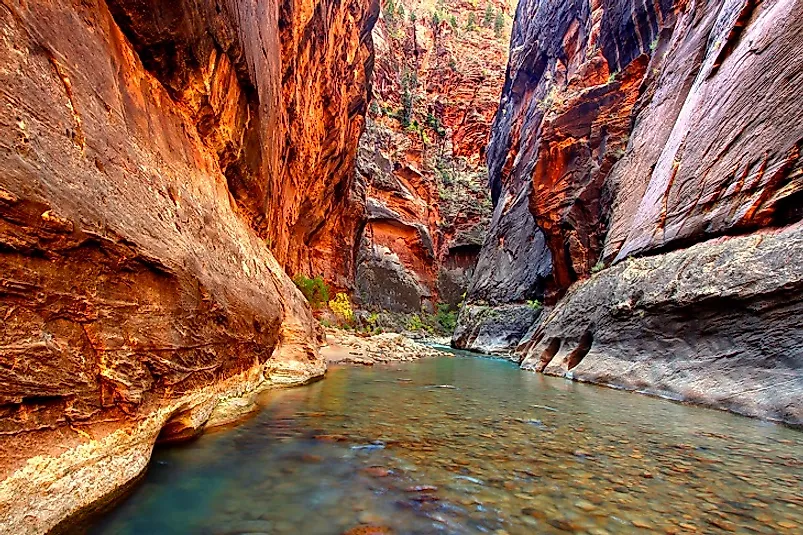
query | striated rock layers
(438,73)
(662,141)
(151,154)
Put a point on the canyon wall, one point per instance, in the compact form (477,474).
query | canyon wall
(152,156)
(646,175)
(421,168)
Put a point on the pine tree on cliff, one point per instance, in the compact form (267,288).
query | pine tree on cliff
(390,11)
(488,17)
(499,23)
(471,25)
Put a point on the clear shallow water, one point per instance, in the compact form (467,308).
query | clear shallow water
(491,449)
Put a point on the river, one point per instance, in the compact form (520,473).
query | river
(471,445)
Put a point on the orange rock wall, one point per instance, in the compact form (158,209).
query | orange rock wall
(152,155)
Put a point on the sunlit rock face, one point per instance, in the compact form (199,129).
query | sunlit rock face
(438,73)
(632,129)
(153,154)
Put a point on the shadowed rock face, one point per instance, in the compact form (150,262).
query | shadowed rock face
(637,129)
(151,152)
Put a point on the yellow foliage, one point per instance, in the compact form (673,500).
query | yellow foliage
(341,306)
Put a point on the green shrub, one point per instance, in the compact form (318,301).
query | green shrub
(415,323)
(435,123)
(446,318)
(471,25)
(534,304)
(487,18)
(599,266)
(315,290)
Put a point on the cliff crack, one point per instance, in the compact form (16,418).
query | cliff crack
(78,135)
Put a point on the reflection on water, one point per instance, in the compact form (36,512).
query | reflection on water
(470,445)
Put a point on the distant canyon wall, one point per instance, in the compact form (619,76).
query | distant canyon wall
(162,163)
(646,174)
(421,169)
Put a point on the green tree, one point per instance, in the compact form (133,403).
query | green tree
(315,290)
(409,84)
(499,23)
(488,17)
(471,25)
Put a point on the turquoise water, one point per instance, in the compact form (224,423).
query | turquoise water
(471,445)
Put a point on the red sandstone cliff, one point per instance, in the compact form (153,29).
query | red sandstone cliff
(152,155)
(438,73)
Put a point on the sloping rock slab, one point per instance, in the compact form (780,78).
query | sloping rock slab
(719,324)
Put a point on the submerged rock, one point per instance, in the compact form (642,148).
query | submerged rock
(369,530)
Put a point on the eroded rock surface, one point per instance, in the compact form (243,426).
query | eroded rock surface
(494,330)
(151,155)
(637,129)
(718,323)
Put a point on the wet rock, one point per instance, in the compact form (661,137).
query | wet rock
(369,530)
(250,526)
(634,343)
(366,517)
(563,525)
(422,488)
(377,471)
(494,330)
(535,513)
